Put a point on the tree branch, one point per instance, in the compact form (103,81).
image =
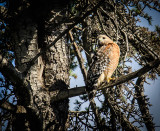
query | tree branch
(81,90)
(115,109)
(79,57)
(143,104)
(133,75)
(3,12)
(12,108)
(101,24)
(153,7)
(16,78)
(7,106)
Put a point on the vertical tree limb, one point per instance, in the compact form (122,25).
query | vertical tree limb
(143,104)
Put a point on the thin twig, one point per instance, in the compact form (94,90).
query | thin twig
(153,7)
(127,48)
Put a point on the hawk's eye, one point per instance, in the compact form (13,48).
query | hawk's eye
(103,37)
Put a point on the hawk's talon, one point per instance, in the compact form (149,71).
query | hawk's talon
(110,79)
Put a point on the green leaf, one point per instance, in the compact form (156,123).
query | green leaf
(74,75)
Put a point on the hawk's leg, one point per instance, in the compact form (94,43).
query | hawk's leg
(110,79)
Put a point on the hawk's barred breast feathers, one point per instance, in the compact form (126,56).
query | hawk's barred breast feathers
(105,62)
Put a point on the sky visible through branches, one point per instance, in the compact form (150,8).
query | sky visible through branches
(152,90)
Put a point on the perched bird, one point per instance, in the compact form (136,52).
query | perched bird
(105,61)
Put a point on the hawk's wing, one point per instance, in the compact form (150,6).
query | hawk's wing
(99,65)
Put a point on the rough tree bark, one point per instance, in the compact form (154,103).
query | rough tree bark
(49,72)
(26,46)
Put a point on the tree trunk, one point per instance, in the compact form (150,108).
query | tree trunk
(49,72)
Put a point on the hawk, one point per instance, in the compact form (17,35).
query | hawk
(105,61)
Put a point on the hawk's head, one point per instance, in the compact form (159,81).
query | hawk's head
(104,40)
